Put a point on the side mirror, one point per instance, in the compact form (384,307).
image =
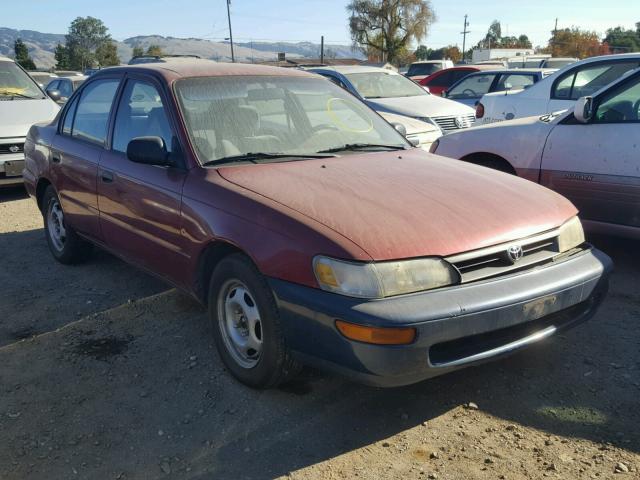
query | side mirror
(54,95)
(400,128)
(149,151)
(583,109)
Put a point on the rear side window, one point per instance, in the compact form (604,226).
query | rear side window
(92,113)
(589,79)
(515,81)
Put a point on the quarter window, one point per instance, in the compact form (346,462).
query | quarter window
(68,117)
(92,113)
(517,82)
(140,114)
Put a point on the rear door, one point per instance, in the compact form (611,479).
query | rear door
(76,150)
(597,165)
(140,204)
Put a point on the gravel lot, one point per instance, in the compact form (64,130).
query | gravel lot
(107,374)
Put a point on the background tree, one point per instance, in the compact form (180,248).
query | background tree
(494,39)
(107,55)
(621,40)
(86,35)
(138,51)
(421,53)
(22,55)
(155,50)
(61,55)
(388,26)
(451,52)
(574,42)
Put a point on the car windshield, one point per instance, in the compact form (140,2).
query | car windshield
(423,69)
(15,83)
(235,116)
(384,85)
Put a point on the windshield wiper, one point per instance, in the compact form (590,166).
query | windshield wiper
(362,146)
(11,93)
(253,157)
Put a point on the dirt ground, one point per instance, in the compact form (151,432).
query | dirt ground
(105,373)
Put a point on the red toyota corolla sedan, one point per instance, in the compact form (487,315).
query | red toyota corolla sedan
(312,230)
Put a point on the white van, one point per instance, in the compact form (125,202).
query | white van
(22,103)
(419,70)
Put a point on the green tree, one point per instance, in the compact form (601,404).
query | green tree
(155,50)
(421,53)
(86,35)
(107,55)
(22,55)
(388,26)
(494,39)
(621,40)
(61,55)
(138,51)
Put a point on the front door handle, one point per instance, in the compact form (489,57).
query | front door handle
(106,176)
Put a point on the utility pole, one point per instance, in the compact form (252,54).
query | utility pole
(553,45)
(233,57)
(322,49)
(464,37)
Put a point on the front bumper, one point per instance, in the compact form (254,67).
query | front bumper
(456,326)
(11,164)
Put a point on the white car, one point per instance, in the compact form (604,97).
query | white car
(421,134)
(422,69)
(589,154)
(22,103)
(388,91)
(557,92)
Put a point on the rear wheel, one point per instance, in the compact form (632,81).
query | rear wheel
(65,245)
(246,325)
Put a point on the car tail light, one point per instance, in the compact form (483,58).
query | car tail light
(376,335)
(480,110)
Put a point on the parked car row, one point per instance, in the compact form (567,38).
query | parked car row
(310,228)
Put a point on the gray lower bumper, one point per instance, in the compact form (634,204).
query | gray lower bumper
(457,326)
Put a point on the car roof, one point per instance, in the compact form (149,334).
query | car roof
(176,68)
(517,70)
(5,59)
(346,69)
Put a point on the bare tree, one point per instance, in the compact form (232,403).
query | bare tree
(387,27)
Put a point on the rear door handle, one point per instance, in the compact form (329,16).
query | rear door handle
(55,157)
(106,176)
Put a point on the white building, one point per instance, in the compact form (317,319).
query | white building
(484,54)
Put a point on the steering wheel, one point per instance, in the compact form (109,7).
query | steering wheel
(323,126)
(636,109)
(467,92)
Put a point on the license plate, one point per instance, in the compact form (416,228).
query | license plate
(539,308)
(14,168)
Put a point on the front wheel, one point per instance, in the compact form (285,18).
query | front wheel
(246,325)
(65,245)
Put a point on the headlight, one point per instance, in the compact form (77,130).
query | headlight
(571,235)
(384,279)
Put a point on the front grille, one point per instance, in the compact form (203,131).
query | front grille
(455,123)
(495,261)
(7,148)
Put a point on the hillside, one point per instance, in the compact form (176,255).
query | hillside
(42,45)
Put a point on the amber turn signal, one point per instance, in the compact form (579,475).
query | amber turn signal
(375,335)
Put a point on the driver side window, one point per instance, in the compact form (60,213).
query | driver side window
(472,87)
(620,106)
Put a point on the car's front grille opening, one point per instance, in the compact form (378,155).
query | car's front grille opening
(455,123)
(441,354)
(11,148)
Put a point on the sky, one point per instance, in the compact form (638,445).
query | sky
(307,20)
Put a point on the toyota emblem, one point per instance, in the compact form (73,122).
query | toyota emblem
(514,253)
(14,148)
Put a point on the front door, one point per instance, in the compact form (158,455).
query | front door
(140,204)
(75,154)
(597,165)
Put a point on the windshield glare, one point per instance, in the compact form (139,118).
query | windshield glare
(384,85)
(14,81)
(231,116)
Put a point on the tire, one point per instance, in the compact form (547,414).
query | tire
(65,245)
(246,325)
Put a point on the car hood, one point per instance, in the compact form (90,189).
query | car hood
(421,106)
(407,204)
(17,116)
(412,125)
